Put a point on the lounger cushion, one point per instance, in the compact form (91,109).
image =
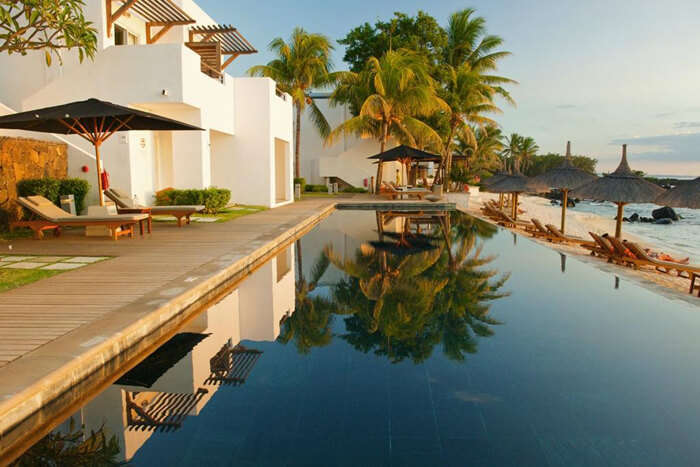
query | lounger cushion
(123,199)
(49,211)
(115,218)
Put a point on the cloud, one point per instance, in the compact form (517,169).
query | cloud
(664,148)
(566,106)
(686,125)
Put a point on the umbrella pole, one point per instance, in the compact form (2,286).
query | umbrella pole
(564,203)
(618,226)
(99,172)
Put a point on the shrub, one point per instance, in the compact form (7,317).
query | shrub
(301,181)
(52,189)
(77,187)
(46,187)
(354,189)
(214,199)
(316,188)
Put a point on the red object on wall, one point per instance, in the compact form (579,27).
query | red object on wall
(105,180)
(85,168)
(365,182)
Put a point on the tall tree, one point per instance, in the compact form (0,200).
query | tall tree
(301,65)
(398,90)
(528,150)
(481,147)
(511,152)
(48,25)
(420,33)
(468,83)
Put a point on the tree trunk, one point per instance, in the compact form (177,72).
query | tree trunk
(448,158)
(382,146)
(297,142)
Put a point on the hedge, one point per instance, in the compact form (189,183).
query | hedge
(301,181)
(53,188)
(316,188)
(214,199)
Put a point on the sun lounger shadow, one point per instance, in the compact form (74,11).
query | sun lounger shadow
(164,412)
(232,365)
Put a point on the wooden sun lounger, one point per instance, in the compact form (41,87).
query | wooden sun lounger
(556,233)
(389,191)
(51,217)
(626,255)
(126,205)
(683,270)
(602,248)
(540,231)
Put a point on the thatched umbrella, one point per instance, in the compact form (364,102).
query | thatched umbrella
(495,178)
(517,183)
(566,177)
(405,155)
(685,195)
(621,187)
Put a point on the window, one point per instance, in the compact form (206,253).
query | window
(120,35)
(123,37)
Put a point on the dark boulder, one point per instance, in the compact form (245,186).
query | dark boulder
(634,217)
(663,221)
(664,213)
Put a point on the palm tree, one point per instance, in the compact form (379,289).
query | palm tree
(396,90)
(511,152)
(468,86)
(482,148)
(310,324)
(301,65)
(468,98)
(528,149)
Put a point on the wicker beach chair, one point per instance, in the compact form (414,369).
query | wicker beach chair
(683,270)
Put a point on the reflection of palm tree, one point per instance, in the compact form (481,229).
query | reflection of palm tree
(310,324)
(463,303)
(73,448)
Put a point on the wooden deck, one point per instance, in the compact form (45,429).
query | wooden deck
(38,313)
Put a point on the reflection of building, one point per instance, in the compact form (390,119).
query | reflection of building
(178,380)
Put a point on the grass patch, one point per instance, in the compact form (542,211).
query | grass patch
(18,233)
(224,215)
(13,278)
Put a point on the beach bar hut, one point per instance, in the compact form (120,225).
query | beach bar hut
(685,195)
(517,183)
(621,187)
(566,177)
(92,119)
(406,155)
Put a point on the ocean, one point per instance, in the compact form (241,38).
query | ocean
(680,238)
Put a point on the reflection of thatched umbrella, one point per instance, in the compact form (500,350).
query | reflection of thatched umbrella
(516,184)
(685,195)
(566,177)
(621,187)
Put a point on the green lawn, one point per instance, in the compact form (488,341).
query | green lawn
(12,278)
(222,216)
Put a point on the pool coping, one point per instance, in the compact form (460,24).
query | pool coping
(33,381)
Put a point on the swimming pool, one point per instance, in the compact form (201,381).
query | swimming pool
(394,338)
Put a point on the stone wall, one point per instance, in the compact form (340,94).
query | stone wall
(22,158)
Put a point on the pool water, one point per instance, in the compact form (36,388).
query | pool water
(409,339)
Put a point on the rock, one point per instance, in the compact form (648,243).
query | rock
(663,221)
(571,203)
(634,217)
(647,220)
(664,213)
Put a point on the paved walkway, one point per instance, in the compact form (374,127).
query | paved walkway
(35,314)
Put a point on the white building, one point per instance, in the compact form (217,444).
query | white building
(167,57)
(346,159)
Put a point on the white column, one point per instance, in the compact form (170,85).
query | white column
(191,159)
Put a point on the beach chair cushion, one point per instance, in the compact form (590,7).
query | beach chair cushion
(49,211)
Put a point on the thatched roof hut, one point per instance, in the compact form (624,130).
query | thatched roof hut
(685,195)
(621,187)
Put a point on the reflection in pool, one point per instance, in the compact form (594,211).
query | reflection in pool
(357,345)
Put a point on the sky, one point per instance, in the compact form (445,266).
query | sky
(598,73)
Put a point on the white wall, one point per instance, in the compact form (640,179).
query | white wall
(261,116)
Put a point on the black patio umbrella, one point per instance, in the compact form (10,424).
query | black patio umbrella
(621,187)
(566,177)
(94,120)
(403,154)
